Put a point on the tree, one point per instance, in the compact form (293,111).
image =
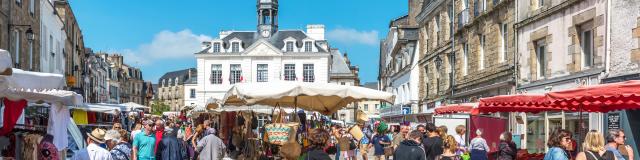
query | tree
(157,108)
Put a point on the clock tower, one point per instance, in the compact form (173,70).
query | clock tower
(267,17)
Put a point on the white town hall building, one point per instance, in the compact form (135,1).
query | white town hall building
(268,54)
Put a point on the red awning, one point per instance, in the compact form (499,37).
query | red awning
(532,103)
(598,98)
(457,108)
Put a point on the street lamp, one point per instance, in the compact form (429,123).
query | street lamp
(30,35)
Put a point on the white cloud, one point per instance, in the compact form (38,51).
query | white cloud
(166,45)
(353,36)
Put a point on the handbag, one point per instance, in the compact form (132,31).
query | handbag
(291,150)
(388,151)
(254,120)
(278,132)
(352,145)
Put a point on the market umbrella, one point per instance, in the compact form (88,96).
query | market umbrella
(470,108)
(598,98)
(325,98)
(531,103)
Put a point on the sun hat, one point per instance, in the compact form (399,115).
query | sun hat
(97,135)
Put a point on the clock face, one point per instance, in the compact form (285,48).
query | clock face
(265,33)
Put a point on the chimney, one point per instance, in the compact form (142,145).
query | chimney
(415,7)
(315,31)
(224,34)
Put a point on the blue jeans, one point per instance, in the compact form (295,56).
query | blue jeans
(337,152)
(478,154)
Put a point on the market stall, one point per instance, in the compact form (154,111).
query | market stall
(323,98)
(33,107)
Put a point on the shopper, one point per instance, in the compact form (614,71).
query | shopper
(119,150)
(210,147)
(615,139)
(144,143)
(93,150)
(449,149)
(443,131)
(433,143)
(411,148)
(379,141)
(335,136)
(364,142)
(159,128)
(400,136)
(593,148)
(170,147)
(137,129)
(460,138)
(507,150)
(557,143)
(207,128)
(318,138)
(479,147)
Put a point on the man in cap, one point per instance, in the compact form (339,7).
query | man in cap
(93,150)
(144,143)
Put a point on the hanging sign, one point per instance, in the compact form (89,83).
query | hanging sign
(613,120)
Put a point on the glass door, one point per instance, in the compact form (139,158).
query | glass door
(554,121)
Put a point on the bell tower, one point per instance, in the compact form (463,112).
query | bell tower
(267,17)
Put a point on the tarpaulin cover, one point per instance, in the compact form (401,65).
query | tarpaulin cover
(532,103)
(457,108)
(598,98)
(491,127)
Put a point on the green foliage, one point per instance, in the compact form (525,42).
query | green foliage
(158,107)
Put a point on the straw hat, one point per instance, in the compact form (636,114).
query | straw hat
(97,135)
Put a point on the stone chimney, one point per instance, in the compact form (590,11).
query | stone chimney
(315,31)
(415,7)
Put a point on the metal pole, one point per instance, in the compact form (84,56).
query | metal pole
(355,112)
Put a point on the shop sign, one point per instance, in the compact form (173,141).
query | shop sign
(613,120)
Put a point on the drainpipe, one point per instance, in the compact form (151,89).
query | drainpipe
(453,49)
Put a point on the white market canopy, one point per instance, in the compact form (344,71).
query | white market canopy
(260,109)
(67,98)
(131,106)
(325,98)
(5,62)
(100,108)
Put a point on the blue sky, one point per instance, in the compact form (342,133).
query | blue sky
(160,36)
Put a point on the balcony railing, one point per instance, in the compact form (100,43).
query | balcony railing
(463,18)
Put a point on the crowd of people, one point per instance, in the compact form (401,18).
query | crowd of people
(153,140)
(171,140)
(430,142)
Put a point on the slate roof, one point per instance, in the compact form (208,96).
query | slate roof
(183,74)
(338,64)
(277,39)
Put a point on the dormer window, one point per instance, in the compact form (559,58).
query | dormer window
(289,47)
(308,46)
(216,47)
(235,47)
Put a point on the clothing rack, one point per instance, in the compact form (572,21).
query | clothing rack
(33,129)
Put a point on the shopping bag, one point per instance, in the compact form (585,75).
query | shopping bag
(278,132)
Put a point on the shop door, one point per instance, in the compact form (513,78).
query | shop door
(554,121)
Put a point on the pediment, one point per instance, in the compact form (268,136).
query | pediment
(262,48)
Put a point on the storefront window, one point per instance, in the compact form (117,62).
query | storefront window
(535,133)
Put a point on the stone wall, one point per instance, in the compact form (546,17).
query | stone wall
(17,13)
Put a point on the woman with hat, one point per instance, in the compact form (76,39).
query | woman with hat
(93,150)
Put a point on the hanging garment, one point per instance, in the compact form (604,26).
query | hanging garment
(30,149)
(80,117)
(91,117)
(58,122)
(12,111)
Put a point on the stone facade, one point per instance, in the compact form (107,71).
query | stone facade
(484,47)
(570,35)
(171,87)
(74,46)
(17,17)
(435,62)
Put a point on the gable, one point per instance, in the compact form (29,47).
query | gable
(262,48)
